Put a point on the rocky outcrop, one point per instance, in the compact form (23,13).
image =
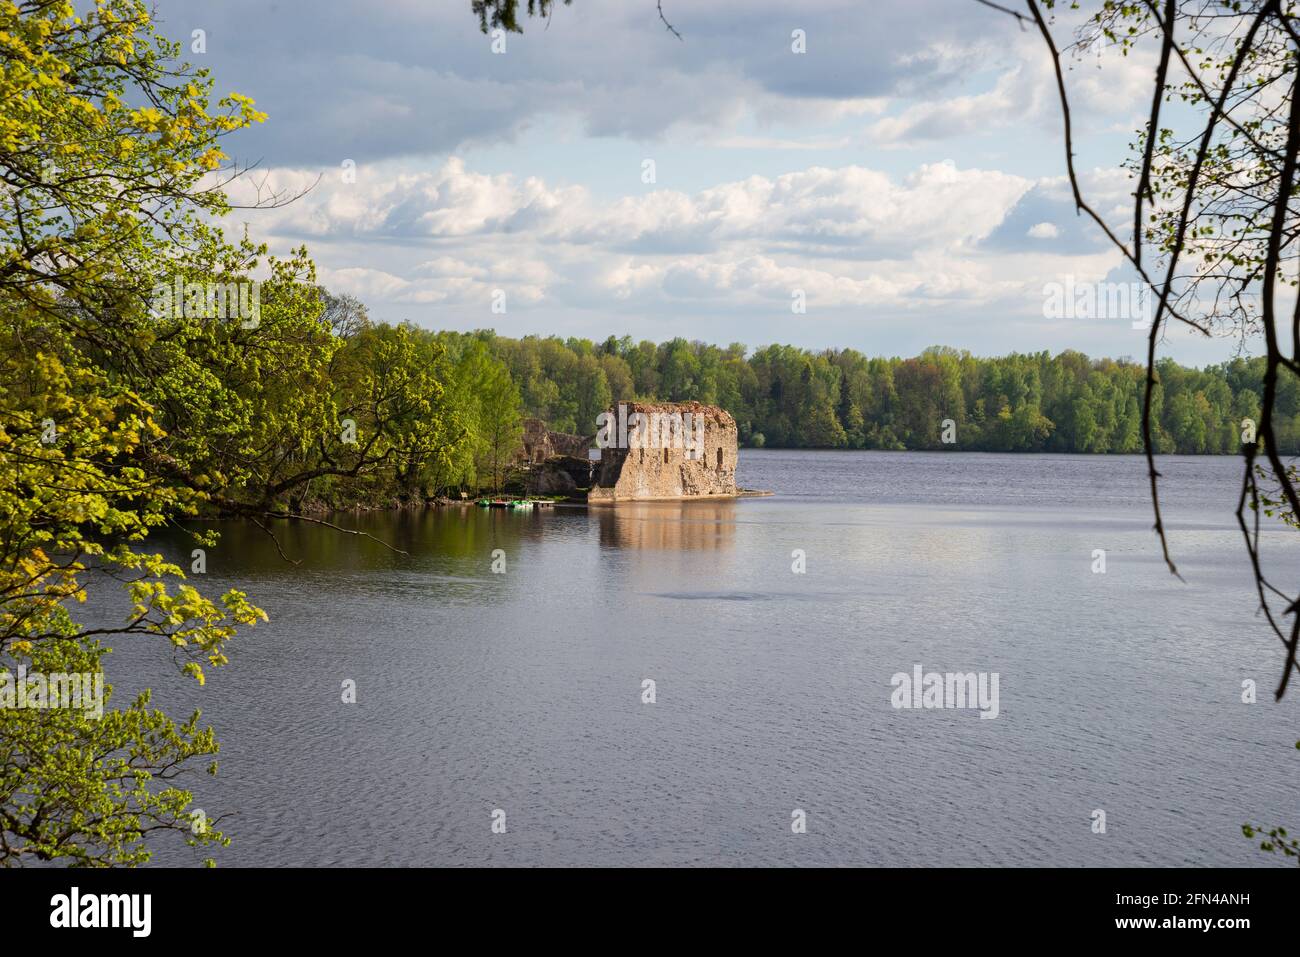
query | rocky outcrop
(654,451)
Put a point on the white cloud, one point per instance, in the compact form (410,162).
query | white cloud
(1017,93)
(954,226)
(852,238)
(851,211)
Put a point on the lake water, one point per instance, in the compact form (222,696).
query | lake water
(522,691)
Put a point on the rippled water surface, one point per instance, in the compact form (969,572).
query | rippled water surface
(1118,691)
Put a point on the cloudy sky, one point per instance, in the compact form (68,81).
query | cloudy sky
(905,172)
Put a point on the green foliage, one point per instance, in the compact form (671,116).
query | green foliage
(1273,839)
(793,398)
(117,417)
(105,144)
(505,13)
(489,414)
(83,790)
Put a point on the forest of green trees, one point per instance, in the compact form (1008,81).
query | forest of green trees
(118,418)
(783,396)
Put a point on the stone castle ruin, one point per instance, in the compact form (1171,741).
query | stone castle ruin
(664,450)
(554,463)
(541,443)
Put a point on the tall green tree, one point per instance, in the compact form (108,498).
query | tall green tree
(127,402)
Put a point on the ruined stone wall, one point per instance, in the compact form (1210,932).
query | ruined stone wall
(572,445)
(540,443)
(664,468)
(536,441)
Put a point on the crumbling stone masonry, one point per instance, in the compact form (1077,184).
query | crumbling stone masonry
(540,443)
(665,450)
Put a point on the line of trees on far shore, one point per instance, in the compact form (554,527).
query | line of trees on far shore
(788,397)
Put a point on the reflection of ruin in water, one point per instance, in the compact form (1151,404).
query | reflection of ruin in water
(706,525)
